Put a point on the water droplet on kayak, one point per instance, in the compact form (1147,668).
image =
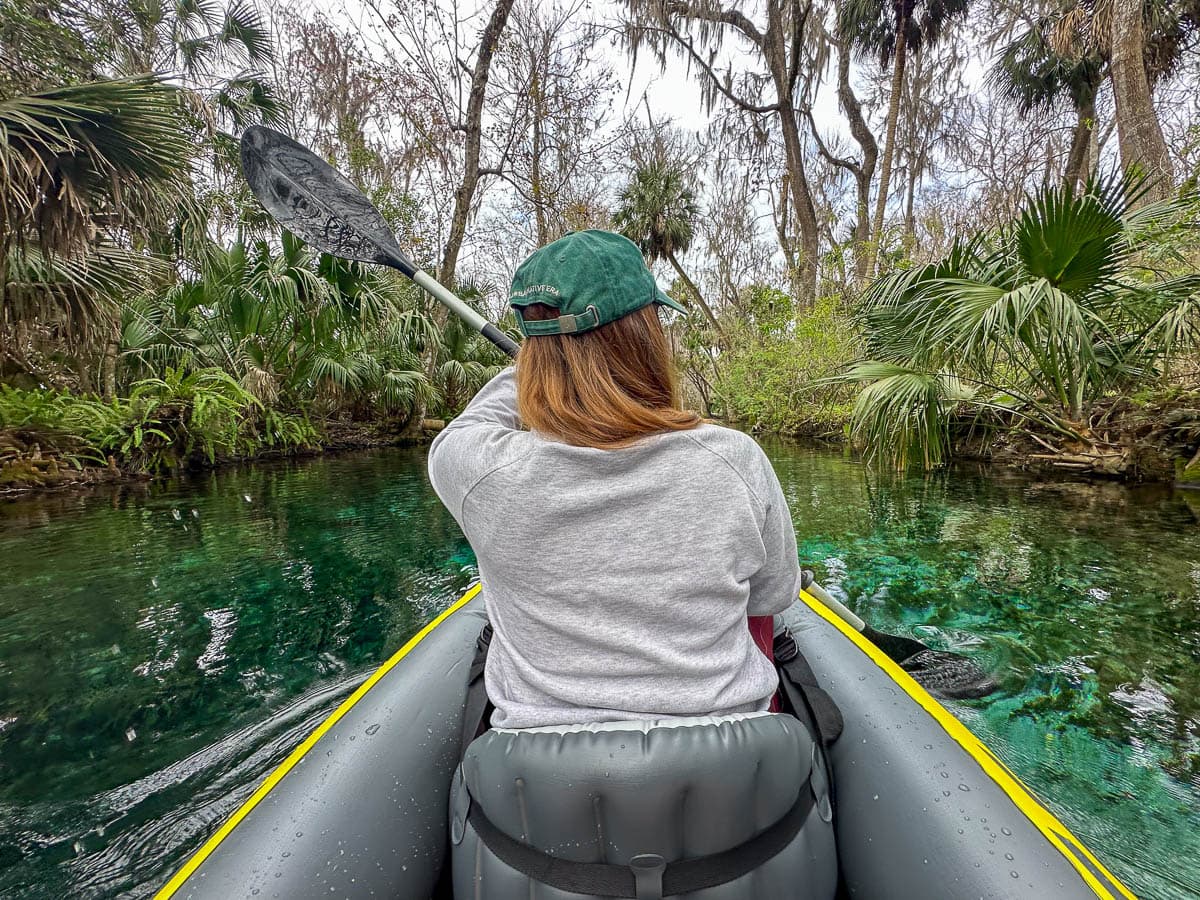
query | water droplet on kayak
(374,728)
(945,774)
(1008,856)
(285,854)
(945,793)
(1015,874)
(964,788)
(1006,831)
(876,797)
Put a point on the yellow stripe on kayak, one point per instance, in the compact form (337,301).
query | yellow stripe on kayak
(1046,822)
(169,889)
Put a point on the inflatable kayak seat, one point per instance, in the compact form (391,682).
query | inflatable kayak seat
(719,808)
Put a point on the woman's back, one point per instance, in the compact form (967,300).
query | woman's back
(618,581)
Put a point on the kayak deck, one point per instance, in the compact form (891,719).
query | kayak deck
(361,806)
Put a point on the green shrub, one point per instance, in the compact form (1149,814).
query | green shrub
(766,376)
(164,423)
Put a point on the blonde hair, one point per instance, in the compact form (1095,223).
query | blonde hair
(604,388)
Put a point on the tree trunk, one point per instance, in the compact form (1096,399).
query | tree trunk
(914,156)
(806,213)
(473,126)
(695,292)
(866,171)
(775,50)
(1138,131)
(536,89)
(782,221)
(108,380)
(1081,142)
(910,191)
(889,142)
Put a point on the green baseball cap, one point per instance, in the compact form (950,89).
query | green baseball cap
(592,278)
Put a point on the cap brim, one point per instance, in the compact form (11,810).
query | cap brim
(663,300)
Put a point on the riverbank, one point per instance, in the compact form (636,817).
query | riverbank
(28,469)
(1132,439)
(1152,438)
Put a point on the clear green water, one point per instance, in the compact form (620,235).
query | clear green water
(161,649)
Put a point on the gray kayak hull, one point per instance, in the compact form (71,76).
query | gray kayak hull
(360,809)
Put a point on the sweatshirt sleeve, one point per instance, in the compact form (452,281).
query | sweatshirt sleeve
(775,586)
(475,442)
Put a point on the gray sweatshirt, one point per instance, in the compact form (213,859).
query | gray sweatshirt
(617,581)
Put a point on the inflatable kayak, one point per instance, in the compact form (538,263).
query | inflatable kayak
(375,802)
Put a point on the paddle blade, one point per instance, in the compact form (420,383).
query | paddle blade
(950,676)
(314,201)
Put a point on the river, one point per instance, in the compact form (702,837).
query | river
(163,646)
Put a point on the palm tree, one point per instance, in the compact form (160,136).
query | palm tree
(82,169)
(1033,74)
(1142,42)
(658,213)
(464,362)
(1037,323)
(889,30)
(202,43)
(293,328)
(109,153)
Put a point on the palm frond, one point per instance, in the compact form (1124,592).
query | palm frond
(902,413)
(109,153)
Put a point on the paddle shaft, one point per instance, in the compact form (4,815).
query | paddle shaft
(835,606)
(477,322)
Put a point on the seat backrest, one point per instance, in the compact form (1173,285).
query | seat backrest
(679,788)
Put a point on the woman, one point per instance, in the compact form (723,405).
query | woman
(621,541)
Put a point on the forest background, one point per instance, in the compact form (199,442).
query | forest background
(924,228)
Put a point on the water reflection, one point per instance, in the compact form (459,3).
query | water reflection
(160,646)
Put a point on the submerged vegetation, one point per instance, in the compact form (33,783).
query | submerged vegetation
(929,271)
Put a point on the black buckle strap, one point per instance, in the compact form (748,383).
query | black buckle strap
(648,870)
(648,876)
(475,708)
(801,686)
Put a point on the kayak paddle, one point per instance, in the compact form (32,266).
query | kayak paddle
(318,204)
